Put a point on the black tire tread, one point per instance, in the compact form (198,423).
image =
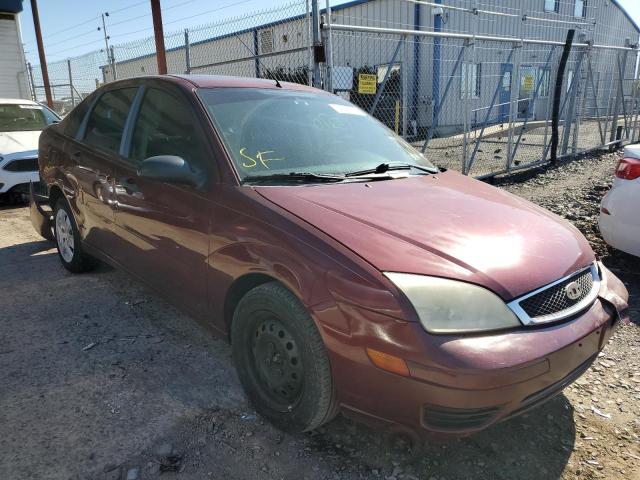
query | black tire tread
(326,404)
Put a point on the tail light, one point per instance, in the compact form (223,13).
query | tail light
(628,169)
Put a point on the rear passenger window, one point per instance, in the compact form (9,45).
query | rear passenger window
(166,126)
(106,122)
(73,120)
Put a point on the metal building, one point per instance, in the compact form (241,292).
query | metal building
(426,64)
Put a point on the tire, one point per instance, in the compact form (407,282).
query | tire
(68,240)
(281,359)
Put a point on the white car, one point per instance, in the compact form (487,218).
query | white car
(619,217)
(21,122)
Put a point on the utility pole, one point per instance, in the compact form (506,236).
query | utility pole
(43,60)
(106,37)
(161,57)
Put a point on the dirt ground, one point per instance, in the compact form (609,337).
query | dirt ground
(101,379)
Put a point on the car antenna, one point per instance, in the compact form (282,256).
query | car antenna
(259,62)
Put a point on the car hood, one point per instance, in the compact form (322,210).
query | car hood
(14,142)
(446,225)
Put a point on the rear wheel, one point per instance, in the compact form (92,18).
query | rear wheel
(68,241)
(281,359)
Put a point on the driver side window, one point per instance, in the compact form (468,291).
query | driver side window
(166,126)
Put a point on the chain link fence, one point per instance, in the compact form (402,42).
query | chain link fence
(473,86)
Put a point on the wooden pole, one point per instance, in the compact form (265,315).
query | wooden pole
(157,30)
(43,60)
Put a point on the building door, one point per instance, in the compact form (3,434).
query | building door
(505,92)
(526,107)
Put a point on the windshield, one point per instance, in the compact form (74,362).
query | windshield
(20,118)
(272,131)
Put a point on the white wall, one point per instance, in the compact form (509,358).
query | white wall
(13,75)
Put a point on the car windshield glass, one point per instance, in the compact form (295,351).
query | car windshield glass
(269,131)
(19,118)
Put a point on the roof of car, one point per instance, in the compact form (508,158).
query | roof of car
(17,101)
(219,81)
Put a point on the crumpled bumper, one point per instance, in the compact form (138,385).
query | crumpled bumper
(41,220)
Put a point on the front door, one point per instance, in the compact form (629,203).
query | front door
(165,227)
(506,72)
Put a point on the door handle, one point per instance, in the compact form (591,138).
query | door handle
(76,154)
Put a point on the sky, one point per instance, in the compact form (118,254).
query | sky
(70,27)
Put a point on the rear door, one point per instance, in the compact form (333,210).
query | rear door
(164,227)
(91,164)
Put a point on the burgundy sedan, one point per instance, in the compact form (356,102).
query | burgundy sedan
(347,271)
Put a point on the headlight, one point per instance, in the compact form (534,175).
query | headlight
(449,306)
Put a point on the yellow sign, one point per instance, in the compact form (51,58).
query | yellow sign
(367,83)
(527,83)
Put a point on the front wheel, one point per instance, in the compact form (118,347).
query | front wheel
(67,237)
(281,359)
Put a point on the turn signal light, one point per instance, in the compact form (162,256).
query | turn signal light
(388,362)
(628,169)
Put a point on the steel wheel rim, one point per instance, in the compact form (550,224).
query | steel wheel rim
(64,236)
(277,363)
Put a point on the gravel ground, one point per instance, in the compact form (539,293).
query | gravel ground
(101,379)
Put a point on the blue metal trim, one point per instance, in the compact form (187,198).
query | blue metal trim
(255,51)
(10,6)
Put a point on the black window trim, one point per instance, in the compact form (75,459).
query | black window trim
(130,123)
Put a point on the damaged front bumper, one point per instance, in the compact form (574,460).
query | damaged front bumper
(41,219)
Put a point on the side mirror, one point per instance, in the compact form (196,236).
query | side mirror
(170,169)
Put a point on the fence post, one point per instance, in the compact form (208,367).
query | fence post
(570,117)
(514,102)
(187,52)
(329,52)
(31,82)
(581,105)
(73,98)
(309,45)
(114,73)
(595,90)
(315,19)
(405,84)
(557,93)
(619,95)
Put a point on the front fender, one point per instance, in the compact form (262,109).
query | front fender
(322,284)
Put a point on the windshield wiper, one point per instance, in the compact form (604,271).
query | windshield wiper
(386,167)
(294,176)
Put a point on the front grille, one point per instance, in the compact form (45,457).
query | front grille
(555,299)
(456,419)
(22,165)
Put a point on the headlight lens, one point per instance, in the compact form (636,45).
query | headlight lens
(449,306)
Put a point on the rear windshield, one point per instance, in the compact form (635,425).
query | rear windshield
(268,131)
(18,118)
